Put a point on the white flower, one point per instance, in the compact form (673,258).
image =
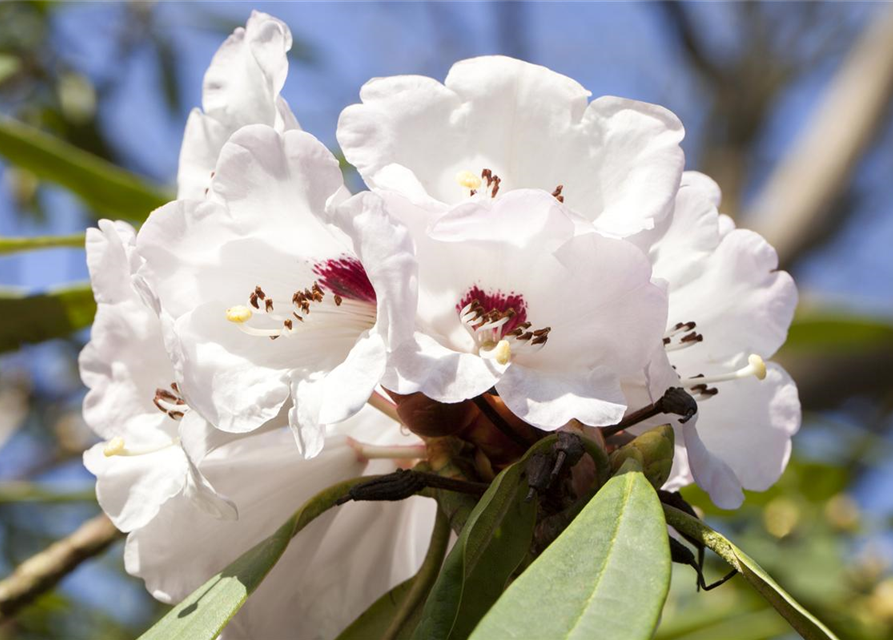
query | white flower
(618,162)
(729,309)
(275,296)
(511,295)
(154,442)
(241,87)
(330,573)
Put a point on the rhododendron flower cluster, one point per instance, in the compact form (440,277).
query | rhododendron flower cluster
(524,261)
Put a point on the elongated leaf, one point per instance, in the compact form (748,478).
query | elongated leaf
(14,245)
(829,330)
(803,622)
(395,615)
(493,543)
(606,576)
(110,190)
(44,316)
(204,613)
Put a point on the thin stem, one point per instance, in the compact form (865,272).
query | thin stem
(41,572)
(384,405)
(424,579)
(499,422)
(675,400)
(22,491)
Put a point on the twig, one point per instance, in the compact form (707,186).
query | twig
(41,572)
(796,204)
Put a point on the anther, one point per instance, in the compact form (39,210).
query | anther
(468,180)
(503,352)
(238,314)
(755,367)
(113,447)
(557,193)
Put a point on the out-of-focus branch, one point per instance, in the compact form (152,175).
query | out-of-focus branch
(795,206)
(678,17)
(41,572)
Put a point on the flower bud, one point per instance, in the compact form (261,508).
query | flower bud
(653,450)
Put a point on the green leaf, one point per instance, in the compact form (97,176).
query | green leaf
(108,189)
(44,316)
(799,618)
(204,613)
(606,576)
(14,245)
(9,66)
(837,330)
(493,542)
(395,615)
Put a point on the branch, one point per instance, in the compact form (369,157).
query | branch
(41,572)
(795,204)
(678,18)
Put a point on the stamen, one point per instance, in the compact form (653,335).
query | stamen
(117,447)
(395,452)
(502,352)
(239,313)
(468,180)
(755,367)
(113,447)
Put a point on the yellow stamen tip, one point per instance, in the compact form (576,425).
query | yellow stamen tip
(238,314)
(503,352)
(113,447)
(759,367)
(468,180)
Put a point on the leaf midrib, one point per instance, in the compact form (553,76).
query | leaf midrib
(624,502)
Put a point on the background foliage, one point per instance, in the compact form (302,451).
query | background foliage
(756,84)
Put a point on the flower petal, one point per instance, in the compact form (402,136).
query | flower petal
(549,400)
(751,429)
(619,160)
(331,571)
(241,87)
(131,489)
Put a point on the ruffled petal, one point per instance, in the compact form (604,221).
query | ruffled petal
(331,571)
(749,426)
(618,160)
(221,378)
(241,87)
(739,301)
(549,400)
(131,489)
(710,471)
(442,374)
(386,251)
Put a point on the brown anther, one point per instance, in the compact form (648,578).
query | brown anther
(157,402)
(542,332)
(164,394)
(557,193)
(691,337)
(526,336)
(288,323)
(338,299)
(540,339)
(260,292)
(473,192)
(176,415)
(273,337)
(175,387)
(297,316)
(252,300)
(268,305)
